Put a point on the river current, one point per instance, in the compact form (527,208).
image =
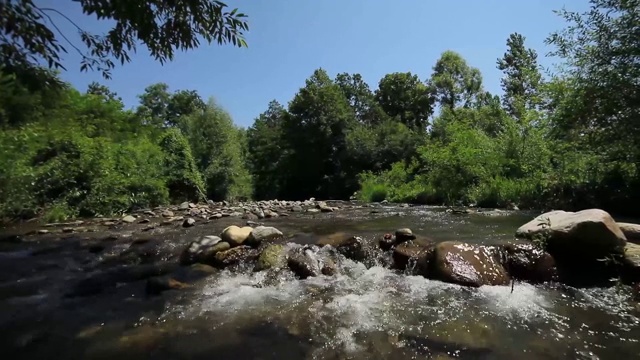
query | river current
(364,312)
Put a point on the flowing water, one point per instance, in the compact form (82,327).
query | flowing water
(362,313)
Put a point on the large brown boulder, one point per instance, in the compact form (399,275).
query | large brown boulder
(413,256)
(467,264)
(631,232)
(586,235)
(529,263)
(350,246)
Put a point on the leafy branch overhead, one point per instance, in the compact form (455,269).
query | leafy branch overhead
(30,35)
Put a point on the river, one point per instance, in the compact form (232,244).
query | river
(361,313)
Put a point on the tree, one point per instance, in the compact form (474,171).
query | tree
(104,92)
(183,178)
(453,82)
(522,79)
(160,108)
(361,99)
(217,148)
(267,151)
(316,136)
(28,32)
(600,48)
(602,107)
(403,95)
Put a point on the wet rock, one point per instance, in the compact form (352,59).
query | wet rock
(215,216)
(573,237)
(129,219)
(236,235)
(460,211)
(157,285)
(144,221)
(167,214)
(387,242)
(348,245)
(631,263)
(189,222)
(263,233)
(404,234)
(203,250)
(297,208)
(466,264)
(303,263)
(273,256)
(413,256)
(109,223)
(250,216)
(42,231)
(184,206)
(238,255)
(259,213)
(313,211)
(329,267)
(631,232)
(529,263)
(201,270)
(148,228)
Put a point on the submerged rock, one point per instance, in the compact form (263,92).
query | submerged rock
(583,236)
(467,264)
(529,263)
(236,235)
(157,285)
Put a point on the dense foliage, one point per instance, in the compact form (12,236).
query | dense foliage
(567,140)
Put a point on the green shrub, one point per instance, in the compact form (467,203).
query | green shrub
(58,212)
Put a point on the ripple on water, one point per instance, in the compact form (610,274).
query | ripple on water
(369,311)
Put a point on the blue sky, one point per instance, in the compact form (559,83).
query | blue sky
(288,39)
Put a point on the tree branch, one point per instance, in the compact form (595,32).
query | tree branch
(42,11)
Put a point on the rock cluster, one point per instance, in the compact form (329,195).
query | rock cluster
(582,248)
